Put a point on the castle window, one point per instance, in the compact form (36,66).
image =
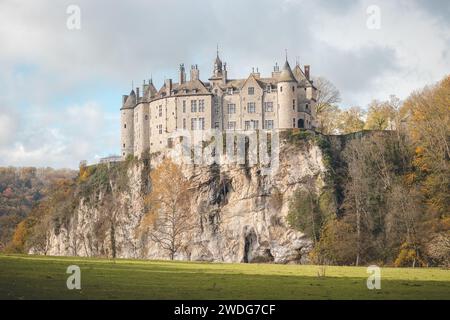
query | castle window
(293,104)
(231,125)
(268,124)
(216,125)
(268,106)
(281,88)
(184,106)
(251,90)
(307,106)
(146,117)
(293,123)
(193,105)
(201,123)
(125,125)
(201,105)
(216,106)
(231,108)
(184,123)
(160,128)
(268,88)
(124,145)
(193,124)
(251,107)
(301,123)
(293,89)
(251,125)
(160,111)
(230,90)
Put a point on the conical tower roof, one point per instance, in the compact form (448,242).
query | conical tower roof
(286,74)
(131,101)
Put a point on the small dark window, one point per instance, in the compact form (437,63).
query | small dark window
(281,89)
(301,123)
(293,89)
(293,123)
(124,145)
(146,117)
(125,125)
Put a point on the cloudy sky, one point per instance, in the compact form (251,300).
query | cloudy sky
(60,89)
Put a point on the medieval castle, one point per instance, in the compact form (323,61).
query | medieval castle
(283,101)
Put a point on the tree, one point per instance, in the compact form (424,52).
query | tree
(326,109)
(381,115)
(351,120)
(169,221)
(305,214)
(429,127)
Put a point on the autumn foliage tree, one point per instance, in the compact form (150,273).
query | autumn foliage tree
(429,128)
(169,221)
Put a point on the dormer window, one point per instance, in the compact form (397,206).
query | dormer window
(230,90)
(194,91)
(268,88)
(185,90)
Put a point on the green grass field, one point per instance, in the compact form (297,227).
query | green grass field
(37,277)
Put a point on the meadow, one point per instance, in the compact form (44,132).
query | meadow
(42,277)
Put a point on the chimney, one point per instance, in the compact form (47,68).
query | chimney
(276,71)
(307,71)
(256,74)
(195,74)
(168,83)
(182,74)
(137,94)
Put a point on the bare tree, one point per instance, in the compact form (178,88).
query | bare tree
(327,98)
(169,221)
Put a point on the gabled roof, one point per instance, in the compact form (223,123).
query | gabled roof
(252,76)
(286,74)
(150,91)
(300,77)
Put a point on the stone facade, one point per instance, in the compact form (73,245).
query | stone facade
(283,101)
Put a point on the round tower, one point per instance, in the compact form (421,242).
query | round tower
(287,98)
(127,124)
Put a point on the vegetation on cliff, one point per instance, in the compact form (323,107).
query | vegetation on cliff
(20,190)
(392,188)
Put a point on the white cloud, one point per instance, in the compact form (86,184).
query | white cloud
(60,138)
(50,74)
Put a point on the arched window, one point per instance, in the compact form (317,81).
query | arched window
(301,123)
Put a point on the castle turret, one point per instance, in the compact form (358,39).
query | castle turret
(127,124)
(287,98)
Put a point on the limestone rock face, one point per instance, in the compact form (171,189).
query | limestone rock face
(240,214)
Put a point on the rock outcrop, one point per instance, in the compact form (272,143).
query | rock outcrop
(241,214)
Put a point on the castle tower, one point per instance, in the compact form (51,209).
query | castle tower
(127,124)
(287,98)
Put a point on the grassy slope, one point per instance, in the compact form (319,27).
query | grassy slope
(35,277)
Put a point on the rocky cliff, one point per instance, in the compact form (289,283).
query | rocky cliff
(241,214)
